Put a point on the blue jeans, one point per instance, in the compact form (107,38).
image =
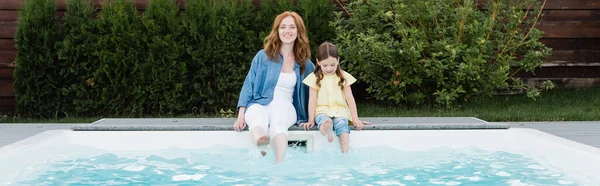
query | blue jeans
(340,124)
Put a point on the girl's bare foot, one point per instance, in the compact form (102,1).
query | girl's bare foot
(327,129)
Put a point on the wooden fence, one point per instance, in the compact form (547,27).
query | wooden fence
(571,28)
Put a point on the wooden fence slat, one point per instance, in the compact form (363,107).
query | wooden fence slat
(6,88)
(18,4)
(62,5)
(8,15)
(6,73)
(572,4)
(560,4)
(7,105)
(550,4)
(7,94)
(7,57)
(570,15)
(572,44)
(570,29)
(12,15)
(11,4)
(7,44)
(7,30)
(566,82)
(574,57)
(562,72)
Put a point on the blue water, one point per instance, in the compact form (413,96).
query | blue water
(230,166)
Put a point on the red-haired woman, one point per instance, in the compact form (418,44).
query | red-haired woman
(273,97)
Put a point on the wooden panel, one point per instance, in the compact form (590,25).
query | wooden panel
(142,4)
(7,57)
(11,4)
(12,15)
(8,15)
(6,72)
(570,29)
(574,57)
(561,4)
(572,44)
(6,88)
(7,105)
(7,30)
(18,4)
(7,44)
(572,4)
(563,72)
(550,4)
(565,82)
(570,15)
(61,4)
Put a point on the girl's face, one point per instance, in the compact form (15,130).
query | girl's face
(287,30)
(329,65)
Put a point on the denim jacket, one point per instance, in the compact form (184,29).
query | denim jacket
(260,82)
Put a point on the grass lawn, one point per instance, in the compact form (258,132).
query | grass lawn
(556,105)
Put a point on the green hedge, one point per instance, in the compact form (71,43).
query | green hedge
(439,52)
(164,69)
(220,43)
(36,75)
(77,62)
(121,51)
(116,62)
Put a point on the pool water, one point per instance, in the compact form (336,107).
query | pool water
(221,165)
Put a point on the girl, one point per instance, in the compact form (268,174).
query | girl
(330,97)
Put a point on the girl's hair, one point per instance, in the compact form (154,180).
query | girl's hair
(327,50)
(272,43)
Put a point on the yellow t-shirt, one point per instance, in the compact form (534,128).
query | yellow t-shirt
(330,96)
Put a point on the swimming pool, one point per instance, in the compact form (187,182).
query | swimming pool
(514,156)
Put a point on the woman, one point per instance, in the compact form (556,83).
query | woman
(273,97)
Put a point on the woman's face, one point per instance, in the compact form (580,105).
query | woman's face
(287,30)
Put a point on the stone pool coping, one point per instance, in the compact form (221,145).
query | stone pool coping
(226,124)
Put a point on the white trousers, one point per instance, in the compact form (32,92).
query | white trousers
(275,117)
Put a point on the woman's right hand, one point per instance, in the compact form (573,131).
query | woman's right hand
(239,124)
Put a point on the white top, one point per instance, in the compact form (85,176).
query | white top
(285,87)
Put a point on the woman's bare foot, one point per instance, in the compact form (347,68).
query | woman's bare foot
(327,129)
(263,140)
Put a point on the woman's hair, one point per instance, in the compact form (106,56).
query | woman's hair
(301,47)
(327,50)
